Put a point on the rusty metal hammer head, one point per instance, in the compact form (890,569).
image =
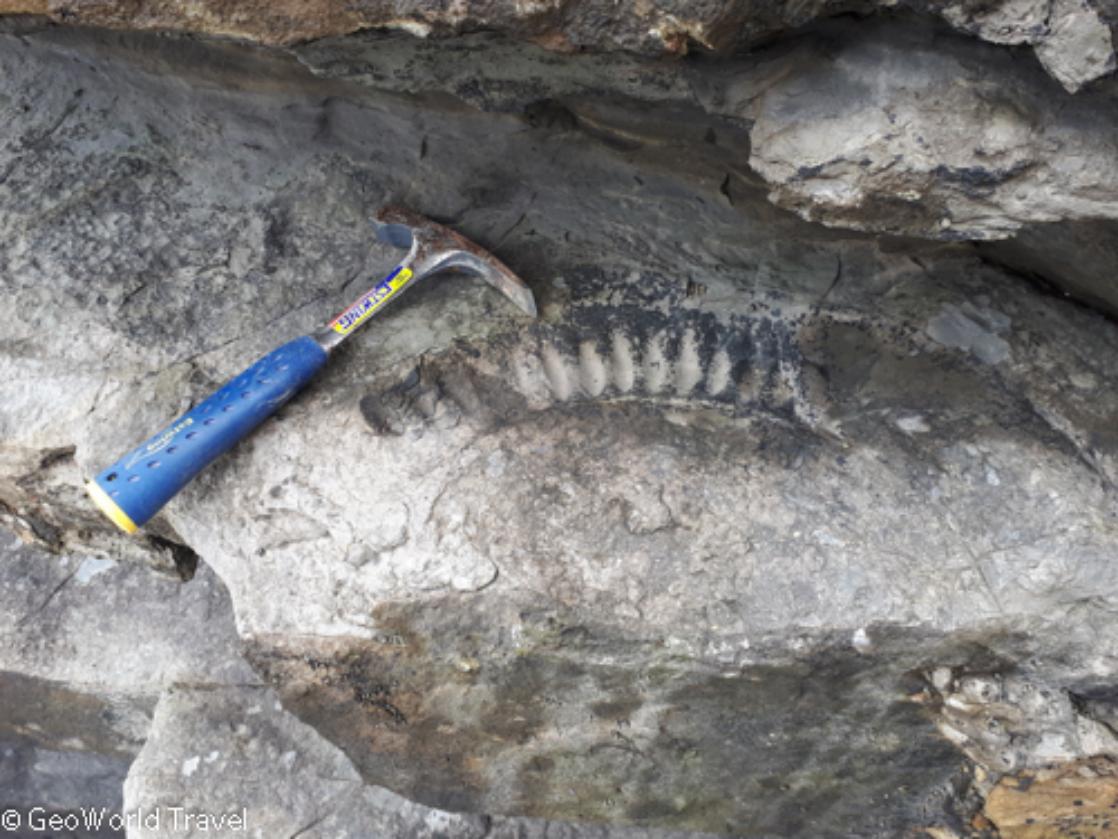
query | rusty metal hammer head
(432,247)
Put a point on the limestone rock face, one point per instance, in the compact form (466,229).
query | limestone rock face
(922,139)
(1073,39)
(1079,46)
(124,699)
(1033,182)
(293,780)
(764,527)
(87,645)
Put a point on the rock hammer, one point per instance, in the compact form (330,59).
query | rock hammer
(137,486)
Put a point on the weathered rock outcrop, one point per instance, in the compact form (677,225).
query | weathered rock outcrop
(1073,39)
(856,126)
(760,510)
(296,782)
(87,646)
(915,133)
(124,696)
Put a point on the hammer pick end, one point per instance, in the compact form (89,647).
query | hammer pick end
(433,247)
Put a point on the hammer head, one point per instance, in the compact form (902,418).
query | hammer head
(432,247)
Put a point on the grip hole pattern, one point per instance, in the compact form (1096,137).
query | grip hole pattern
(246,399)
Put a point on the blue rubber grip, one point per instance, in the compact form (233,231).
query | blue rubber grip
(146,478)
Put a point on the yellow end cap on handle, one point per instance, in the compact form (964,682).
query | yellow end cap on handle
(109,507)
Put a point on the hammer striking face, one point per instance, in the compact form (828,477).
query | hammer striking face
(134,488)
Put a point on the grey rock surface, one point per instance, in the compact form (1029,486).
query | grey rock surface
(758,510)
(87,645)
(1073,39)
(49,781)
(927,136)
(1078,46)
(1033,186)
(235,752)
(1081,254)
(77,620)
(135,703)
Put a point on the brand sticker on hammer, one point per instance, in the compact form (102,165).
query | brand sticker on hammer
(380,294)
